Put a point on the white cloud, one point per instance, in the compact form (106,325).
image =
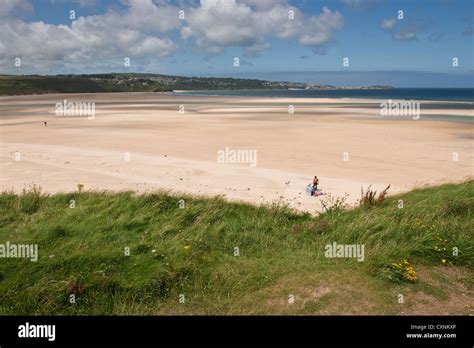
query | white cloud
(404,35)
(151,45)
(87,3)
(388,23)
(263,4)
(218,24)
(146,15)
(320,28)
(8,6)
(406,30)
(141,32)
(360,4)
(135,33)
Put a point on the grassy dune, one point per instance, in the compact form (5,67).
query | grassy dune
(190,251)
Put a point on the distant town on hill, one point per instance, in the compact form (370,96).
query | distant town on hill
(135,82)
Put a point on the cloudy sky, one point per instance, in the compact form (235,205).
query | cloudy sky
(300,40)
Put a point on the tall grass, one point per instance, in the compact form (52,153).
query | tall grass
(369,197)
(214,252)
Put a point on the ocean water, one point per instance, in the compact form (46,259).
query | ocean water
(435,94)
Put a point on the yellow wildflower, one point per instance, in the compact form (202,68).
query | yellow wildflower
(410,274)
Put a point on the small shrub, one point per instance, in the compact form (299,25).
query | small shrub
(369,197)
(30,200)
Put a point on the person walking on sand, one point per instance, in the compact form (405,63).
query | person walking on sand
(315,185)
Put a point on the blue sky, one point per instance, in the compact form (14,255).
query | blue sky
(416,51)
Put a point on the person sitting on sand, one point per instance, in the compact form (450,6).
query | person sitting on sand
(315,185)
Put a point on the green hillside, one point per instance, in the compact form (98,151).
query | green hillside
(134,82)
(121,82)
(191,251)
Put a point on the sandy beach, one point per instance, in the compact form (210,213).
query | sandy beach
(150,141)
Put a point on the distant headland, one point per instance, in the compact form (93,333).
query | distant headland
(137,82)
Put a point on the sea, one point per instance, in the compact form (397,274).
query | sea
(433,94)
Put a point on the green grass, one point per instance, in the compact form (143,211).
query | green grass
(190,251)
